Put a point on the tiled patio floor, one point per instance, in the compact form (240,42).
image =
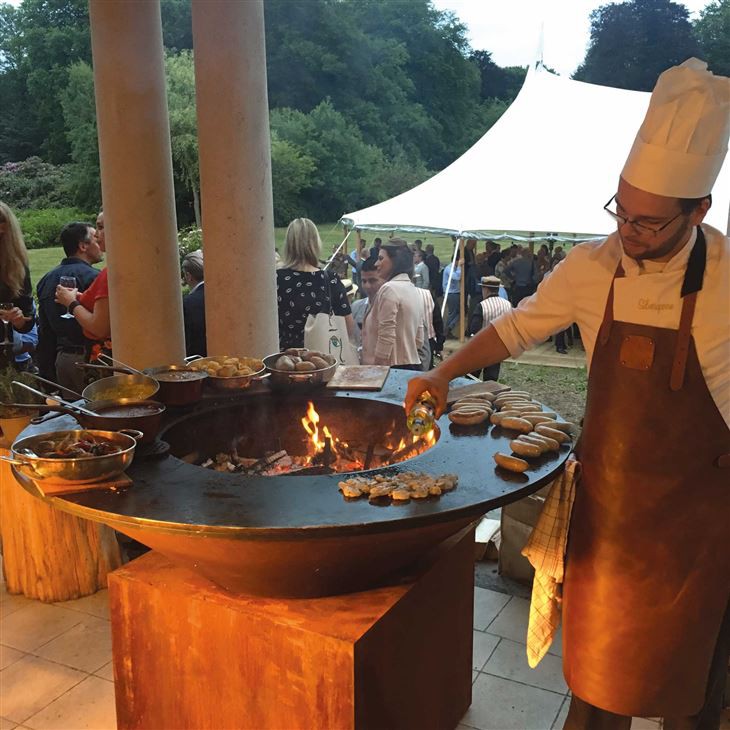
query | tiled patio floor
(56,674)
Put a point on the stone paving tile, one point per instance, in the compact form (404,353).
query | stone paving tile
(88,706)
(30,684)
(96,604)
(483,647)
(499,704)
(10,603)
(510,662)
(8,656)
(107,672)
(87,646)
(487,604)
(511,623)
(35,625)
(562,715)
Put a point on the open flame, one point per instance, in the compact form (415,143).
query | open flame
(326,448)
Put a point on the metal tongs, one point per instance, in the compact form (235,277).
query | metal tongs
(71,406)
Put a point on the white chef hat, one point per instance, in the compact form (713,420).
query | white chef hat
(682,142)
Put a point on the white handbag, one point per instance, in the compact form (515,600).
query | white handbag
(327,332)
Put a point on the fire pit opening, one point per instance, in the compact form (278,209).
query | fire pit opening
(271,435)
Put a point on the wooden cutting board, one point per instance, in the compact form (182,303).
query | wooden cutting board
(359,377)
(488,386)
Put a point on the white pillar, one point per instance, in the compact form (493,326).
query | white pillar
(136,181)
(235,177)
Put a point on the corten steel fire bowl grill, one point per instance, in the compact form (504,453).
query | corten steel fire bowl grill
(295,535)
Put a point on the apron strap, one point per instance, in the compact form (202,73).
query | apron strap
(605,331)
(692,284)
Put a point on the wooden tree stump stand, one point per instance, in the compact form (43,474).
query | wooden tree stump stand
(48,554)
(189,655)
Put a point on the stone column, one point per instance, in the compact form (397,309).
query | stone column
(235,177)
(136,180)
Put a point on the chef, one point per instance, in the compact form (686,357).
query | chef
(645,600)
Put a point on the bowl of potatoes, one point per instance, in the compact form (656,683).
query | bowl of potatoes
(229,372)
(299,366)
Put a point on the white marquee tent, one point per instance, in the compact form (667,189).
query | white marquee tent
(548,166)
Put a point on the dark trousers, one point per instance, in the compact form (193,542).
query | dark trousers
(584,716)
(520,292)
(490,373)
(452,303)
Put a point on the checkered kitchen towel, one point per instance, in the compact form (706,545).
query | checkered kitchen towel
(545,549)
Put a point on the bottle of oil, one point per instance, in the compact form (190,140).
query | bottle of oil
(423,415)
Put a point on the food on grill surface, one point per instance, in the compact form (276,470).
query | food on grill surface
(398,487)
(228,367)
(303,360)
(511,463)
(73,447)
(515,423)
(470,410)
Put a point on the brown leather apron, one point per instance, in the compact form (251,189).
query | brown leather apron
(648,562)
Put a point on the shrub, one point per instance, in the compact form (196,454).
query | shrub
(42,227)
(189,239)
(33,183)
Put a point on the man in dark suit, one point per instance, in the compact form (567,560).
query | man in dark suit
(194,304)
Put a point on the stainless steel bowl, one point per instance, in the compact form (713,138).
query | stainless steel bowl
(232,382)
(296,379)
(134,387)
(81,470)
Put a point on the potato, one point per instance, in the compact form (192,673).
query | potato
(294,351)
(319,363)
(226,372)
(284,363)
(304,366)
(330,359)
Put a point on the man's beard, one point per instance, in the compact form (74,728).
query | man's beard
(648,254)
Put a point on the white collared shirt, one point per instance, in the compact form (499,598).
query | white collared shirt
(576,291)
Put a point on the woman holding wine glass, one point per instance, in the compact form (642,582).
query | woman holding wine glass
(16,298)
(90,308)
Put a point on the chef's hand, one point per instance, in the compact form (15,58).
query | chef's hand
(65,296)
(433,382)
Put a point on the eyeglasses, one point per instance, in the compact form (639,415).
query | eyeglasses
(641,227)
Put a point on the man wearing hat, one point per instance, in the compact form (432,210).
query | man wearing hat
(491,307)
(645,598)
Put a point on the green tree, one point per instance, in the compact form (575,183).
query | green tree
(633,42)
(79,115)
(291,173)
(345,174)
(183,123)
(713,32)
(44,39)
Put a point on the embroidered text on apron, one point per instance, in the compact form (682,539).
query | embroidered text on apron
(648,562)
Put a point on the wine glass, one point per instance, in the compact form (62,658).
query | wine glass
(69,282)
(5,308)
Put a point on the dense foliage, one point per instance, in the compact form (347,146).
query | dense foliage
(633,42)
(367,97)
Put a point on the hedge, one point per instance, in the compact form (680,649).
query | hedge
(41,227)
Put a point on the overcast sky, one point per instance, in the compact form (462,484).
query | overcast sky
(510,29)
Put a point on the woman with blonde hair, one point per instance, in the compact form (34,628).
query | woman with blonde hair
(303,288)
(16,296)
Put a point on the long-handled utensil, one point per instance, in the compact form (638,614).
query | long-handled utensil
(70,406)
(58,386)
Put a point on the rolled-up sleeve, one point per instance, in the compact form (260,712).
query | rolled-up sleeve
(549,310)
(387,318)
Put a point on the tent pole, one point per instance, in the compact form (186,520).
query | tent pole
(448,283)
(462,290)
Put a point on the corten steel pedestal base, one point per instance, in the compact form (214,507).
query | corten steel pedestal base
(189,655)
